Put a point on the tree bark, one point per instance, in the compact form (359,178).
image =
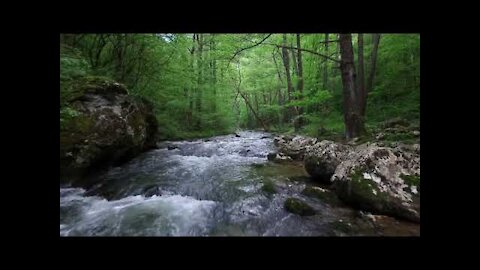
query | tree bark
(361,77)
(192,89)
(200,80)
(286,64)
(351,109)
(214,75)
(294,60)
(245,98)
(300,67)
(373,63)
(247,102)
(300,80)
(325,65)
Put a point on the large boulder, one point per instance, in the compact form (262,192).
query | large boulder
(293,146)
(321,159)
(381,180)
(108,126)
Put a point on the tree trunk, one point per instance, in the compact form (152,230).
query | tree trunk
(191,90)
(325,65)
(286,64)
(300,80)
(200,81)
(276,67)
(214,76)
(373,63)
(361,77)
(247,102)
(294,60)
(351,110)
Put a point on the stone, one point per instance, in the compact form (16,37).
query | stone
(379,180)
(108,127)
(322,159)
(299,207)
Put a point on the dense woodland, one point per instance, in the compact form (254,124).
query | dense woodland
(208,84)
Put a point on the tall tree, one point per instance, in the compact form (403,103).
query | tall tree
(286,64)
(247,101)
(214,72)
(325,64)
(373,62)
(351,100)
(200,38)
(361,77)
(300,81)
(192,89)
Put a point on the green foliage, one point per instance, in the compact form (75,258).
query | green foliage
(66,114)
(72,67)
(194,84)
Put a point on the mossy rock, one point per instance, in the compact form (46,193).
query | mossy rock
(321,194)
(411,180)
(298,207)
(364,194)
(73,90)
(319,169)
(101,125)
(342,227)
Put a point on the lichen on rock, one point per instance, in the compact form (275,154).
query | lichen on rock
(373,179)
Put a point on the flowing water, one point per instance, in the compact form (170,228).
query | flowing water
(209,187)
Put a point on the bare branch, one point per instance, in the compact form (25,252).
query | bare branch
(305,50)
(329,41)
(249,47)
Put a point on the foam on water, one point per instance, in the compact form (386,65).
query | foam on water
(137,215)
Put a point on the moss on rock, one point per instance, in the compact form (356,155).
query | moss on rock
(411,180)
(107,126)
(321,194)
(298,207)
(363,193)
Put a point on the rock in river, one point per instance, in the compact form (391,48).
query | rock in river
(108,126)
(321,159)
(381,180)
(299,207)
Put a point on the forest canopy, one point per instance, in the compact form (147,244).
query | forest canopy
(202,85)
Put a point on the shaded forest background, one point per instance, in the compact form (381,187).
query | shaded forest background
(203,85)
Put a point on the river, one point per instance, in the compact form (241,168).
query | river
(209,187)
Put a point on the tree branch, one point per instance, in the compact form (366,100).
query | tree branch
(305,50)
(313,52)
(330,41)
(249,47)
